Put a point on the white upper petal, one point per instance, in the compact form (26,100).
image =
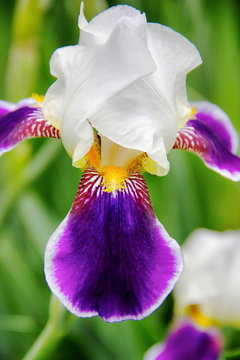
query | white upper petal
(92,75)
(98,30)
(127,79)
(135,121)
(175,56)
(210,277)
(145,115)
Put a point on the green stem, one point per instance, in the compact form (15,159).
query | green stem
(231,354)
(55,329)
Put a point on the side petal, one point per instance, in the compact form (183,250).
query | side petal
(7,106)
(111,256)
(23,123)
(188,342)
(218,121)
(211,136)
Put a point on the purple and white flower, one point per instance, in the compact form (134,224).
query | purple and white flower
(209,288)
(187,341)
(119,105)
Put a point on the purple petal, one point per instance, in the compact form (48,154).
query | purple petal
(21,124)
(7,106)
(110,256)
(219,122)
(188,342)
(212,136)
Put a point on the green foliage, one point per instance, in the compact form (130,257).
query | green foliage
(38,183)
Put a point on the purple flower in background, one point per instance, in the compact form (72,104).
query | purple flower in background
(119,105)
(188,341)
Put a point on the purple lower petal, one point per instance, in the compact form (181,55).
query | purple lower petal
(21,124)
(213,139)
(188,343)
(110,256)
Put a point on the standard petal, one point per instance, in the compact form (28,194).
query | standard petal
(87,74)
(110,256)
(21,124)
(132,119)
(188,342)
(211,136)
(144,116)
(98,30)
(210,280)
(175,57)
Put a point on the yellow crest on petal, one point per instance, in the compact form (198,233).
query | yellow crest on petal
(195,313)
(39,98)
(113,178)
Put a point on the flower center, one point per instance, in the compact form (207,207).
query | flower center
(113,178)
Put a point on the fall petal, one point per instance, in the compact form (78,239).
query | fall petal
(111,256)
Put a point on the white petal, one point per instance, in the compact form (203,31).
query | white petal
(98,30)
(114,154)
(137,118)
(83,142)
(91,75)
(175,56)
(52,103)
(211,275)
(145,115)
(82,21)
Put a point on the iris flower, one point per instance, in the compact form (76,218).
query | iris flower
(209,288)
(119,105)
(187,341)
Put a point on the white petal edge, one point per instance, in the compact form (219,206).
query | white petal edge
(98,30)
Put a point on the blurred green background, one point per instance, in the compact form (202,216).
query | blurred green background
(38,183)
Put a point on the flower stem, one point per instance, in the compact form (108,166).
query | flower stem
(55,329)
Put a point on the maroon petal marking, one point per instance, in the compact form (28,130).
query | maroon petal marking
(24,123)
(111,256)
